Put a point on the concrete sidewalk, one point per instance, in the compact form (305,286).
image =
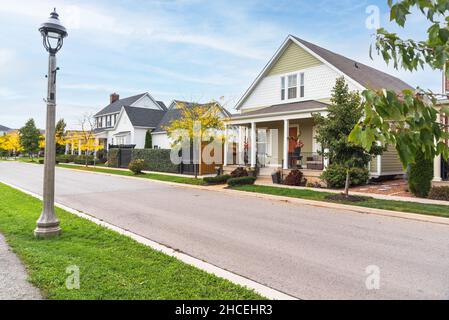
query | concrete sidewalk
(13,277)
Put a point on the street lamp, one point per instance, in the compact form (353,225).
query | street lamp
(53,34)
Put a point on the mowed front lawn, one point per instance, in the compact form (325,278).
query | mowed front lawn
(401,206)
(111,266)
(151,176)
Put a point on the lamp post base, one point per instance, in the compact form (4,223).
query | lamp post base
(47,230)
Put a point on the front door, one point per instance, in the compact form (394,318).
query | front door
(292,132)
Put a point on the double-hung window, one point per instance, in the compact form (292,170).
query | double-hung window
(301,85)
(282,88)
(292,86)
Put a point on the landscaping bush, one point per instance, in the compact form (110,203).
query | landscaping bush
(66,158)
(294,178)
(82,160)
(439,193)
(156,160)
(221,179)
(240,181)
(335,176)
(113,158)
(239,172)
(136,166)
(420,176)
(102,156)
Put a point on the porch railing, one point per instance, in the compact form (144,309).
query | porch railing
(306,160)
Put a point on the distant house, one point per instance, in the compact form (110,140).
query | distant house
(126,121)
(4,130)
(161,140)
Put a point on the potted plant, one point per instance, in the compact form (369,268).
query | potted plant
(276,177)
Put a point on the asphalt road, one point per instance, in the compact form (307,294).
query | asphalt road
(308,252)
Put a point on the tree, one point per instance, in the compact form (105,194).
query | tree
(333,131)
(87,137)
(196,120)
(60,136)
(408,120)
(29,138)
(148,140)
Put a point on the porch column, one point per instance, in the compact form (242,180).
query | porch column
(97,141)
(326,159)
(253,145)
(73,148)
(66,148)
(285,151)
(437,169)
(79,147)
(241,152)
(226,146)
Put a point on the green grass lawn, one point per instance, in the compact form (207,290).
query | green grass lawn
(402,206)
(112,266)
(152,176)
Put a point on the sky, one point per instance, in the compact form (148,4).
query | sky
(194,50)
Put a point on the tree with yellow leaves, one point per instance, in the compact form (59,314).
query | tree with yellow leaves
(10,144)
(87,138)
(196,123)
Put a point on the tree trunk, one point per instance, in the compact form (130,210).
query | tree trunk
(347,183)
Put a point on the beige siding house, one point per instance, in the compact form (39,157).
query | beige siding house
(277,109)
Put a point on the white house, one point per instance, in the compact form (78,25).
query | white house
(279,104)
(160,138)
(126,121)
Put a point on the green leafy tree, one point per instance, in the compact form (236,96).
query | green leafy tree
(408,120)
(60,136)
(148,140)
(333,131)
(30,138)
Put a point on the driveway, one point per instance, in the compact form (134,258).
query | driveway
(306,251)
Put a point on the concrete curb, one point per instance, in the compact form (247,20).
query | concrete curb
(261,289)
(296,201)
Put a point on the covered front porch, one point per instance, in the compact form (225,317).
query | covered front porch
(269,144)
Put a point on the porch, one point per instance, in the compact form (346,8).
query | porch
(270,145)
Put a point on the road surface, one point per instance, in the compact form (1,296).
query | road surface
(305,251)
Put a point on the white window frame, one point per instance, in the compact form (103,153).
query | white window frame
(295,75)
(283,88)
(300,85)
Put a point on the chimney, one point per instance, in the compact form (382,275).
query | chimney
(114,97)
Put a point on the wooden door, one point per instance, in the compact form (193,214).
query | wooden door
(292,132)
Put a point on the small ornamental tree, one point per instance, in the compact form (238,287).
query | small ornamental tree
(148,140)
(408,120)
(30,138)
(333,131)
(196,120)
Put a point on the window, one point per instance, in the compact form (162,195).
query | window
(282,88)
(100,122)
(108,121)
(301,85)
(292,86)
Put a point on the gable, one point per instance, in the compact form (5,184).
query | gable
(147,102)
(292,59)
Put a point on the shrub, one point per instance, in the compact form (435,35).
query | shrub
(239,172)
(102,156)
(294,178)
(240,181)
(156,160)
(82,160)
(113,158)
(421,175)
(136,166)
(222,179)
(439,193)
(335,176)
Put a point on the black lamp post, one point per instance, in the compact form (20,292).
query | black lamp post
(53,33)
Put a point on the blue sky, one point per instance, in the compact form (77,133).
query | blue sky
(173,49)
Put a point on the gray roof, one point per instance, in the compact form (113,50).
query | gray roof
(144,117)
(162,104)
(175,113)
(116,106)
(3,128)
(288,107)
(367,76)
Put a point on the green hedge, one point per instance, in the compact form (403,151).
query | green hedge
(421,175)
(241,181)
(217,180)
(156,160)
(113,158)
